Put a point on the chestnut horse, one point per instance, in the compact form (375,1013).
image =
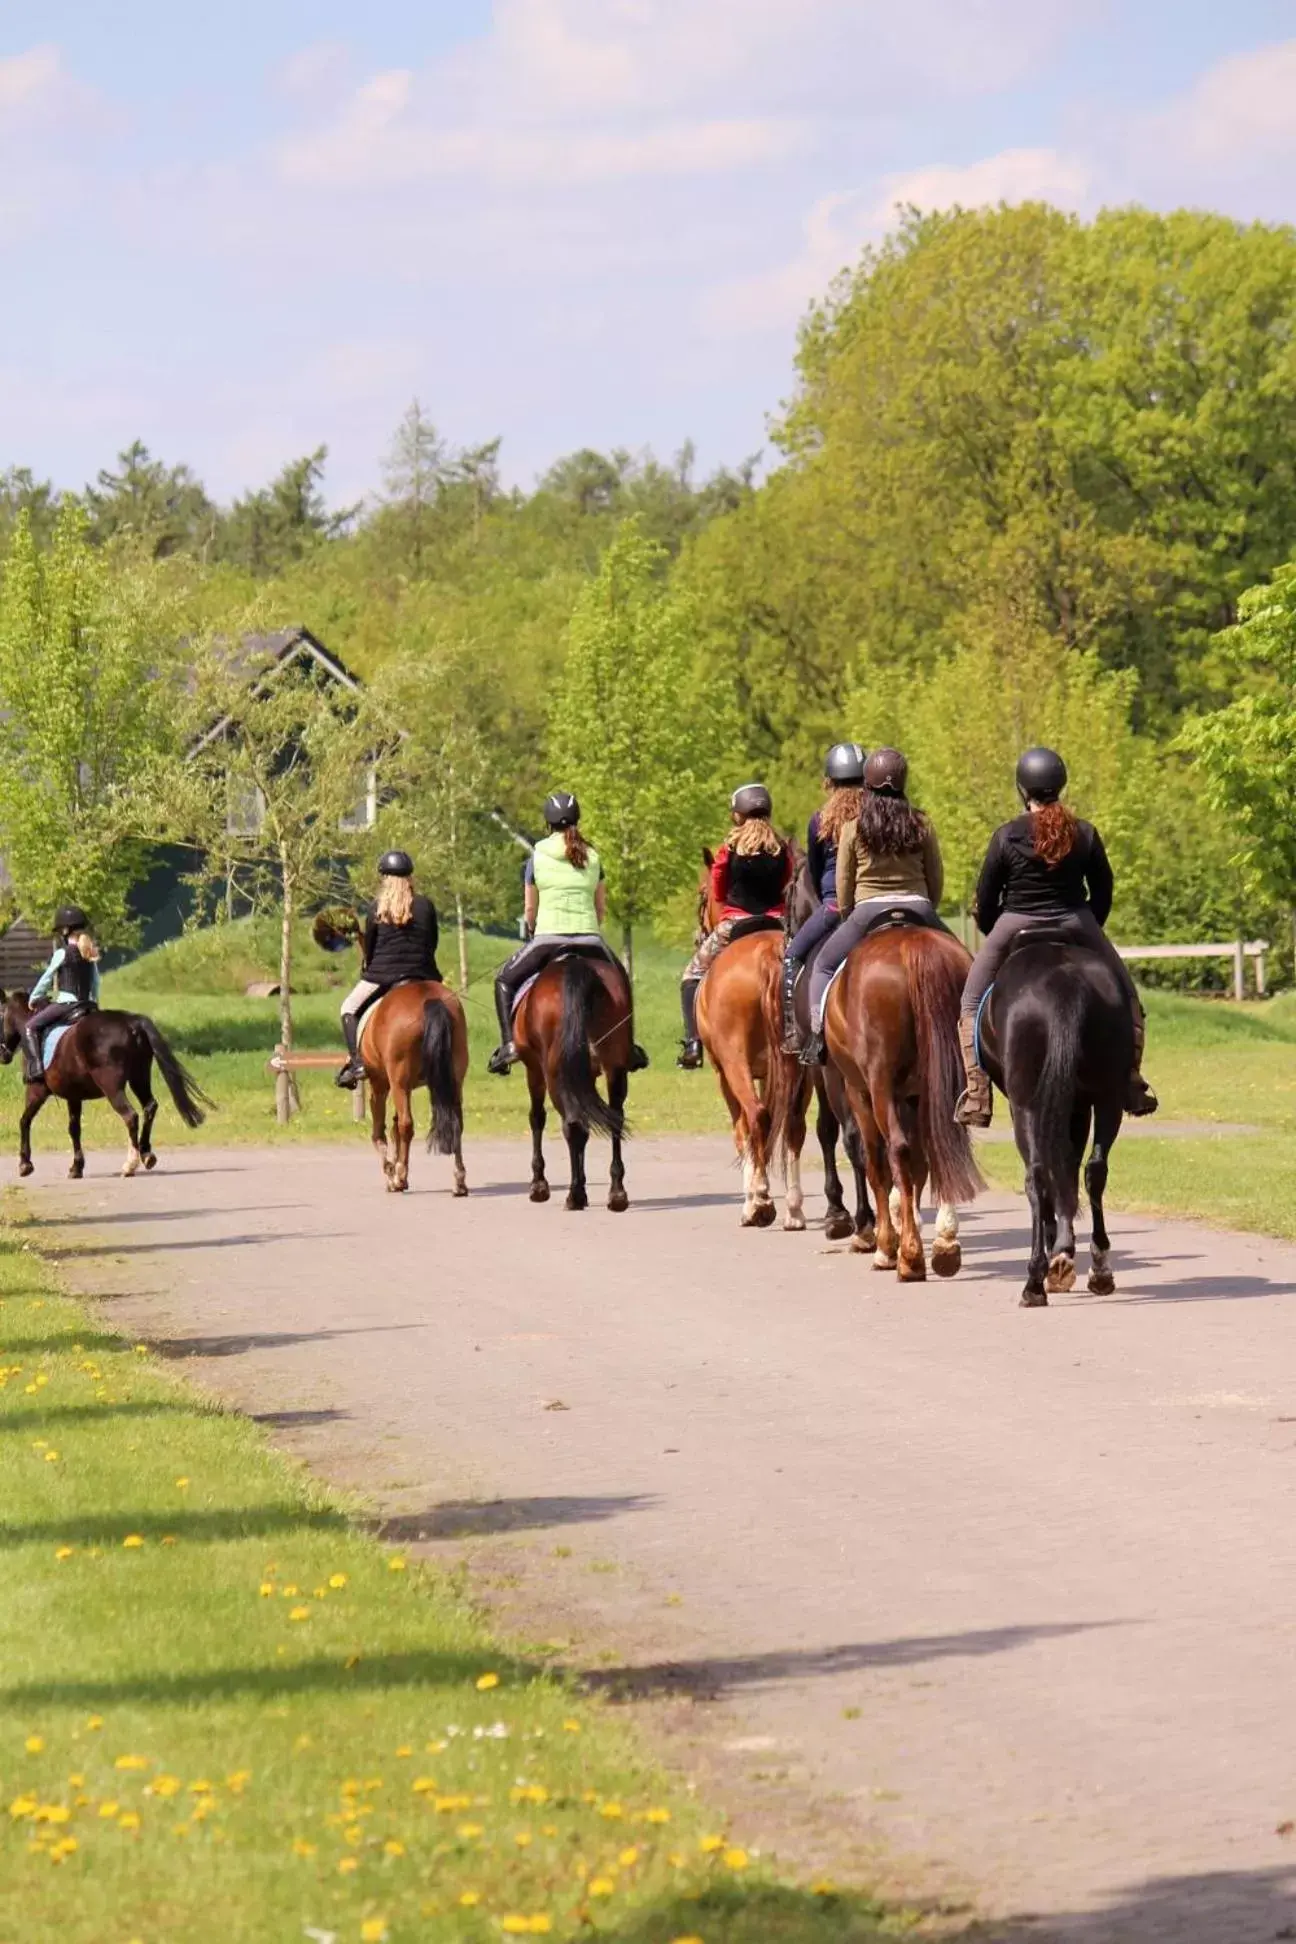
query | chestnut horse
(739,1024)
(416,1036)
(573,1023)
(99,1056)
(891,1026)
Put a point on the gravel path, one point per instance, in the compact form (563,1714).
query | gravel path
(998,1605)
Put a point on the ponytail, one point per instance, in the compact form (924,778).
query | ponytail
(1053,832)
(577,847)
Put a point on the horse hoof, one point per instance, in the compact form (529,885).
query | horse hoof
(1061,1275)
(150,1162)
(576,1203)
(1034,1299)
(794,1221)
(865,1239)
(540,1191)
(26,1167)
(838,1226)
(77,1171)
(881,1260)
(1101,1282)
(460,1190)
(761,1216)
(132,1167)
(946,1261)
(618,1201)
(911,1271)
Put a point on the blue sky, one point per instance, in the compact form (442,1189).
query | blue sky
(241,231)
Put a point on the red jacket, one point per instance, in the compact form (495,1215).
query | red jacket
(750,886)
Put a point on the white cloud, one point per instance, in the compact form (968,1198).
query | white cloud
(1240,113)
(839,226)
(28,81)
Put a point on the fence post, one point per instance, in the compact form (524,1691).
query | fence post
(1239,971)
(1260,971)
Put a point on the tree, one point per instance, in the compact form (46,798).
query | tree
(163,508)
(267,531)
(1245,751)
(640,730)
(87,644)
(413,475)
(21,492)
(265,787)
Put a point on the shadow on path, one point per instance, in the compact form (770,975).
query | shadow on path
(471,1518)
(239,1346)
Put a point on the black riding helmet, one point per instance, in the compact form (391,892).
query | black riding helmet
(886,772)
(1041,775)
(70,918)
(752,800)
(395,864)
(561,810)
(844,763)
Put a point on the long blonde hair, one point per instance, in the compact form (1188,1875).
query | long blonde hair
(755,834)
(84,942)
(395,904)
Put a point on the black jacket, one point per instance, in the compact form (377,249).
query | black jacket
(396,952)
(1013,878)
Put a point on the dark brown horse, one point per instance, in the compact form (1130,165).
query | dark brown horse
(416,1036)
(891,1025)
(739,1023)
(575,1022)
(98,1058)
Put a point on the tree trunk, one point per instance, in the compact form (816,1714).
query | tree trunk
(287,1100)
(462,925)
(627,951)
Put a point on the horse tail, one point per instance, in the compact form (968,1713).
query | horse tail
(1053,1098)
(577,1097)
(186,1094)
(935,974)
(446,1131)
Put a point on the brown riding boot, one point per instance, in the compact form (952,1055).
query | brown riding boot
(976,1102)
(1139,1097)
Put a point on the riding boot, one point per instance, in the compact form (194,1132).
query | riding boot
(815,1051)
(501,1060)
(791,973)
(690,1057)
(352,1073)
(1139,1097)
(638,1058)
(33,1065)
(976,1103)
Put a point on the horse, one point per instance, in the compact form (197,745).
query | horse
(414,1035)
(99,1056)
(739,1024)
(834,1118)
(891,1027)
(1058,1041)
(573,1022)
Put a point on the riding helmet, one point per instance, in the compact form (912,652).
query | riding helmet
(561,810)
(752,800)
(1041,774)
(844,763)
(886,772)
(70,918)
(395,864)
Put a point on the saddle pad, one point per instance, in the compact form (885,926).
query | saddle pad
(52,1039)
(976,1023)
(527,984)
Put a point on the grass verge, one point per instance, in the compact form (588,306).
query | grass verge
(226,1713)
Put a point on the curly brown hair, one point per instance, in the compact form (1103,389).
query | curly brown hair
(1053,832)
(889,826)
(841,806)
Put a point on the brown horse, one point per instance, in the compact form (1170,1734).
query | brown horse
(891,1025)
(416,1036)
(739,1024)
(575,1022)
(99,1056)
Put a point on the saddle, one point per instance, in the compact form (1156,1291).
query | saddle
(1045,933)
(895,916)
(761,922)
(572,951)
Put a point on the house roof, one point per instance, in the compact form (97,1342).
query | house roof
(283,647)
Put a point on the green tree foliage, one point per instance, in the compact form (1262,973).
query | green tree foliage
(270,530)
(640,730)
(21,492)
(161,508)
(87,641)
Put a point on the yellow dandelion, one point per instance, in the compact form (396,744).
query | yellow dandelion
(301,1848)
(64,1848)
(515,1926)
(612,1810)
(94,1723)
(53,1812)
(128,1819)
(540,1925)
(200,1788)
(131,1762)
(290,1592)
(686,1940)
(627,1858)
(300,1613)
(823,1889)
(347,1865)
(132,1539)
(165,1785)
(523,1839)
(469,1830)
(571,1727)
(657,1815)
(735,1859)
(337,1581)
(396,1564)
(403,1753)
(108,1810)
(266,1589)
(393,1847)
(710,1844)
(34,1744)
(423,1785)
(601,1887)
(485,1681)
(320,1593)
(237,1782)
(76,1781)
(373,1930)
(51,1457)
(22,1806)
(182,1484)
(469,1898)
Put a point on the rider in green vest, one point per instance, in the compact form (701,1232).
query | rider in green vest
(565,903)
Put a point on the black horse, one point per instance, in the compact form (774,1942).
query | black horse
(1057,1038)
(99,1057)
(834,1117)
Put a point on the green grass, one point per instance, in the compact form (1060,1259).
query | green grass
(227,1714)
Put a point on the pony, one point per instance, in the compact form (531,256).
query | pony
(1058,1040)
(833,1119)
(739,1024)
(414,1035)
(100,1055)
(573,1023)
(891,1028)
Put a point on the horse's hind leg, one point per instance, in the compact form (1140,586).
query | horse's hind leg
(378,1095)
(865,1228)
(897,1115)
(1107,1122)
(882,1242)
(1035,1294)
(758,1207)
(77,1170)
(402,1137)
(142,1082)
(618,1087)
(794,1218)
(837,1223)
(119,1100)
(539,1185)
(577,1142)
(1065,1202)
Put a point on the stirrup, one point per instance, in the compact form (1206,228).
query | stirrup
(690,1055)
(972,1108)
(501,1060)
(349,1076)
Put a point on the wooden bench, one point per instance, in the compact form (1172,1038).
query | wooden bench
(283,1063)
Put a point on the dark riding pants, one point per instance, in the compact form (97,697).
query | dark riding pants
(814,931)
(539,952)
(1079,925)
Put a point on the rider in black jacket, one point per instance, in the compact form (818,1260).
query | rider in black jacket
(400,941)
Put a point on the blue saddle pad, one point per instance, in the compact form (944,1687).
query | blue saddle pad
(52,1039)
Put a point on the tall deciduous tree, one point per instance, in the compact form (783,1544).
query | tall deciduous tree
(640,730)
(86,647)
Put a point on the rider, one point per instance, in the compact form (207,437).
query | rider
(400,941)
(749,879)
(1046,866)
(73,973)
(843,775)
(887,859)
(564,905)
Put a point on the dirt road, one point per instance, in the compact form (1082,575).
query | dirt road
(995,1603)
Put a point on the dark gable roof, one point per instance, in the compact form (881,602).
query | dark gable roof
(284,646)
